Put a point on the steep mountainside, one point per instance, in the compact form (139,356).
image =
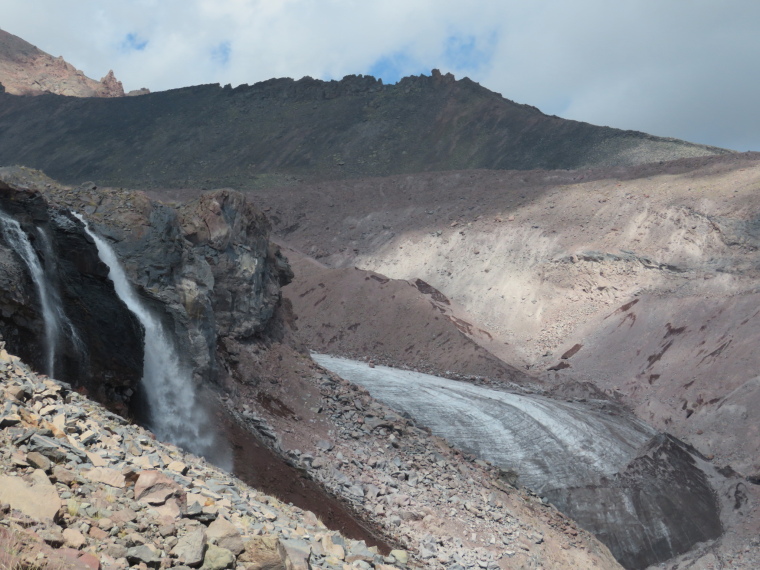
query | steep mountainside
(27,70)
(543,260)
(641,280)
(271,132)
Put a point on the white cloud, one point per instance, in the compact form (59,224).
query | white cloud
(682,68)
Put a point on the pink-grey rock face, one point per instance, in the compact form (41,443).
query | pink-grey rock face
(27,70)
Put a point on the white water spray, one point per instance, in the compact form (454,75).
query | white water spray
(19,241)
(175,413)
(63,324)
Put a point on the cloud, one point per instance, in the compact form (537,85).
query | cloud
(682,68)
(470,52)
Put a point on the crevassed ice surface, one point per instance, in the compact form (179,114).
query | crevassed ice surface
(550,443)
(176,415)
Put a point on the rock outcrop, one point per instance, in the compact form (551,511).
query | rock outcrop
(27,70)
(208,269)
(107,359)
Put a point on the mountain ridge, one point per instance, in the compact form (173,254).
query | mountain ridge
(272,132)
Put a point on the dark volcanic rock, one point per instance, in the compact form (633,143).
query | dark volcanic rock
(108,359)
(208,271)
(269,132)
(659,506)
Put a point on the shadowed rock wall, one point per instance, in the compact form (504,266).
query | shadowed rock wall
(111,364)
(208,270)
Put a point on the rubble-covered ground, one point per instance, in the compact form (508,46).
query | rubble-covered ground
(81,487)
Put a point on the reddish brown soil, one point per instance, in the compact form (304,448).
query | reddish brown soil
(360,314)
(264,470)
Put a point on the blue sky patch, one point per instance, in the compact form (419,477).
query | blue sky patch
(391,68)
(221,53)
(133,42)
(469,53)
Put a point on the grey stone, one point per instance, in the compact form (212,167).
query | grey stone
(217,558)
(191,547)
(38,461)
(295,554)
(144,554)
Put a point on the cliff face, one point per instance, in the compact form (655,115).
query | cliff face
(208,270)
(271,132)
(27,70)
(105,357)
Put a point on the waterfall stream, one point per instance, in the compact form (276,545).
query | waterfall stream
(176,414)
(63,324)
(51,310)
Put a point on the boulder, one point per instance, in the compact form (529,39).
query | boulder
(73,538)
(217,558)
(262,553)
(143,554)
(109,477)
(38,461)
(226,535)
(154,488)
(39,500)
(295,554)
(191,547)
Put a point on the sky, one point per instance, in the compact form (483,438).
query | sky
(688,69)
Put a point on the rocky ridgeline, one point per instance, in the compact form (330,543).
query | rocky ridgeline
(82,488)
(446,507)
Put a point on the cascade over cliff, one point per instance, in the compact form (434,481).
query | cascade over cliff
(207,269)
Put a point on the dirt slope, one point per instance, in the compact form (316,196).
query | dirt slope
(361,314)
(642,280)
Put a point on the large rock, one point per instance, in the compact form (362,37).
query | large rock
(110,477)
(295,554)
(161,492)
(226,535)
(217,558)
(143,554)
(190,549)
(38,500)
(262,553)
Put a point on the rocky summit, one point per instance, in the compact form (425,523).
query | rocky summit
(281,131)
(27,70)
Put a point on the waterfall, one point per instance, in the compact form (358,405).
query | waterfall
(19,241)
(175,414)
(63,324)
